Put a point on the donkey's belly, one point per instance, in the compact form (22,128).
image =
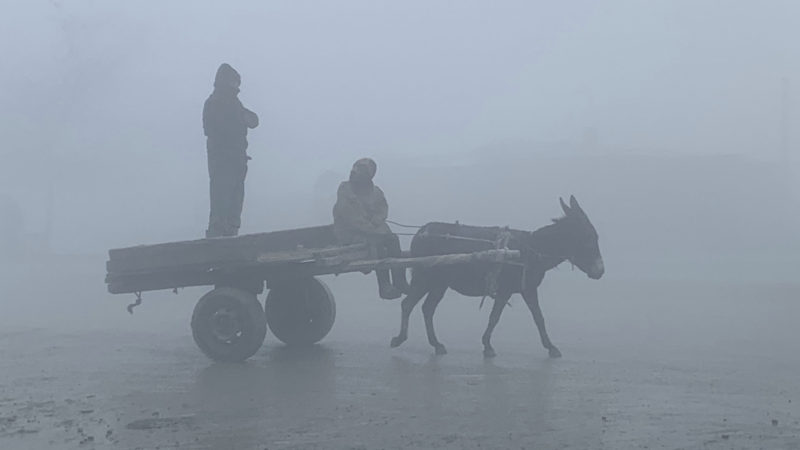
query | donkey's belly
(472,282)
(479,281)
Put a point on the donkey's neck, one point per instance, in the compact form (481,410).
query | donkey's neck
(550,245)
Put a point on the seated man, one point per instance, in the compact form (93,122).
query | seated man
(359,216)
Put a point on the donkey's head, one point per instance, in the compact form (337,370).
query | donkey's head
(580,245)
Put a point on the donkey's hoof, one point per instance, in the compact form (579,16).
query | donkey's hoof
(554,352)
(396,341)
(440,350)
(489,353)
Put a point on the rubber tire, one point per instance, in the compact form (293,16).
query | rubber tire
(300,312)
(253,325)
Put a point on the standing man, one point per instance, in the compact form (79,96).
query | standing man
(359,216)
(225,123)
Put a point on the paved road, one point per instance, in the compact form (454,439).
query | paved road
(646,365)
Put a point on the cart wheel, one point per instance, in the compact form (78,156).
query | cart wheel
(300,312)
(228,324)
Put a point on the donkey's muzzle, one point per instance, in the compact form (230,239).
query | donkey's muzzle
(597,270)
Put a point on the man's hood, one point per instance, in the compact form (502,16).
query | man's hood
(227,77)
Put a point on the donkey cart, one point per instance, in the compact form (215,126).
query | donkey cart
(229,323)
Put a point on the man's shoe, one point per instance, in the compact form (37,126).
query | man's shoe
(389,292)
(404,288)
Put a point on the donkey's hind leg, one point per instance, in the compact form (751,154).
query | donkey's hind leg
(435,295)
(418,289)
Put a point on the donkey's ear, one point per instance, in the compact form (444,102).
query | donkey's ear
(564,206)
(575,207)
(573,204)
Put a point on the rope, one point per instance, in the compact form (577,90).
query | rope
(136,303)
(402,225)
(462,238)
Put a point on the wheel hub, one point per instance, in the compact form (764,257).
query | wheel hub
(225,325)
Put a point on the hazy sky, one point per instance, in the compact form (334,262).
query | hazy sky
(413,76)
(105,97)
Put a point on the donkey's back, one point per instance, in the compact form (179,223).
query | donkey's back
(437,238)
(472,279)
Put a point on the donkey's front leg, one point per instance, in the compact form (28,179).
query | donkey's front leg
(407,306)
(494,317)
(532,300)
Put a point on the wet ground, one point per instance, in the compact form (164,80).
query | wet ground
(646,365)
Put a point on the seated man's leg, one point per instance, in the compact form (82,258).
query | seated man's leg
(385,288)
(388,246)
(392,245)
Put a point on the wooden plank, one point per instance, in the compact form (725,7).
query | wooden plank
(264,260)
(261,265)
(353,262)
(264,267)
(487,256)
(157,281)
(218,250)
(306,254)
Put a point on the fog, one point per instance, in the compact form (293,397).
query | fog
(674,123)
(104,100)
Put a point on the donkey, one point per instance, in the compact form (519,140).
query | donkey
(570,238)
